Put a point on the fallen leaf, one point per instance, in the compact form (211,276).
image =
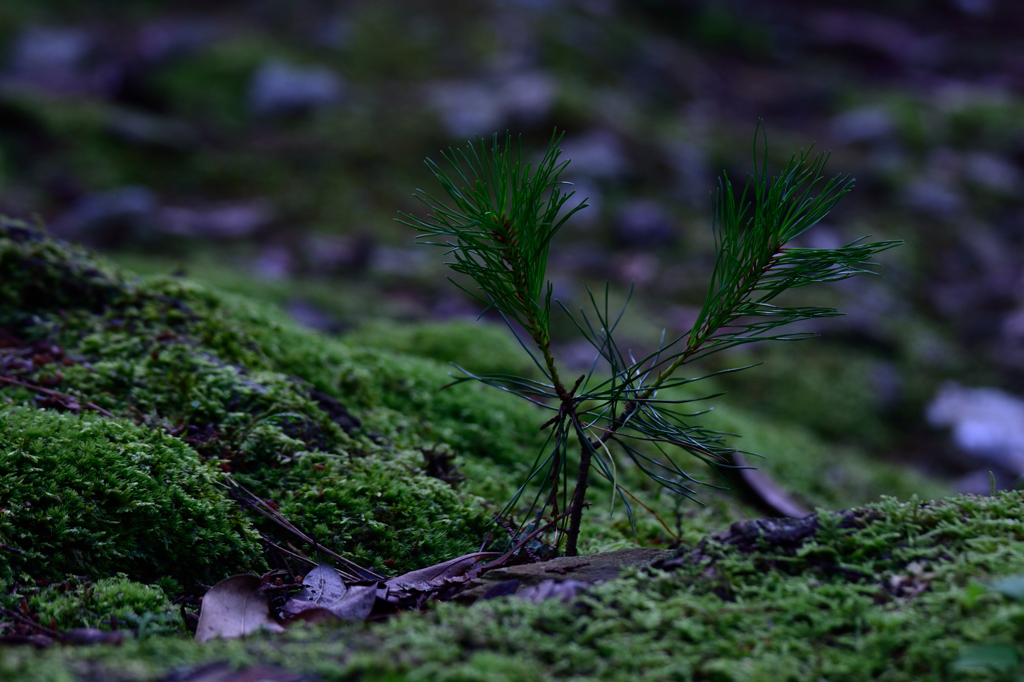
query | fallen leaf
(460,569)
(765,492)
(322,586)
(235,607)
(324,595)
(307,612)
(293,607)
(357,604)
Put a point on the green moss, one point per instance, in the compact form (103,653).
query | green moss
(833,393)
(39,275)
(472,419)
(477,347)
(818,472)
(91,496)
(80,603)
(353,303)
(236,379)
(384,513)
(253,393)
(884,592)
(243,418)
(340,438)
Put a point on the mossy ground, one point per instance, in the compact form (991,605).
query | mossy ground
(243,390)
(340,437)
(85,495)
(891,591)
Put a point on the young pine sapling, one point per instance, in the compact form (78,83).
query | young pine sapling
(498,227)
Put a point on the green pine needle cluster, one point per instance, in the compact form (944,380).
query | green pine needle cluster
(498,229)
(504,216)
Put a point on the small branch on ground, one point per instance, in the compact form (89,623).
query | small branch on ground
(54,394)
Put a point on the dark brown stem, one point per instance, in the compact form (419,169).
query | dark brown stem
(579,497)
(567,398)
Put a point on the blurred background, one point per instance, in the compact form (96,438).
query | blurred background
(267,146)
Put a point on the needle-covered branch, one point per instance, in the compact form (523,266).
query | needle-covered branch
(500,227)
(499,230)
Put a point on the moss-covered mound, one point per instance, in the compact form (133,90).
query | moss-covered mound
(345,441)
(79,602)
(356,445)
(125,403)
(84,495)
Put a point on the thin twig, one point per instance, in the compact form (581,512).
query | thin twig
(512,534)
(25,620)
(54,394)
(269,512)
(294,555)
(507,555)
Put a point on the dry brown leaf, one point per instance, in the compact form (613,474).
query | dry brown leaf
(294,607)
(324,595)
(235,607)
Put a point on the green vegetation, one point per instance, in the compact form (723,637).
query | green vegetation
(498,231)
(223,377)
(349,436)
(84,495)
(890,591)
(80,603)
(482,349)
(356,446)
(868,595)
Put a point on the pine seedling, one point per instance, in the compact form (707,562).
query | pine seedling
(498,227)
